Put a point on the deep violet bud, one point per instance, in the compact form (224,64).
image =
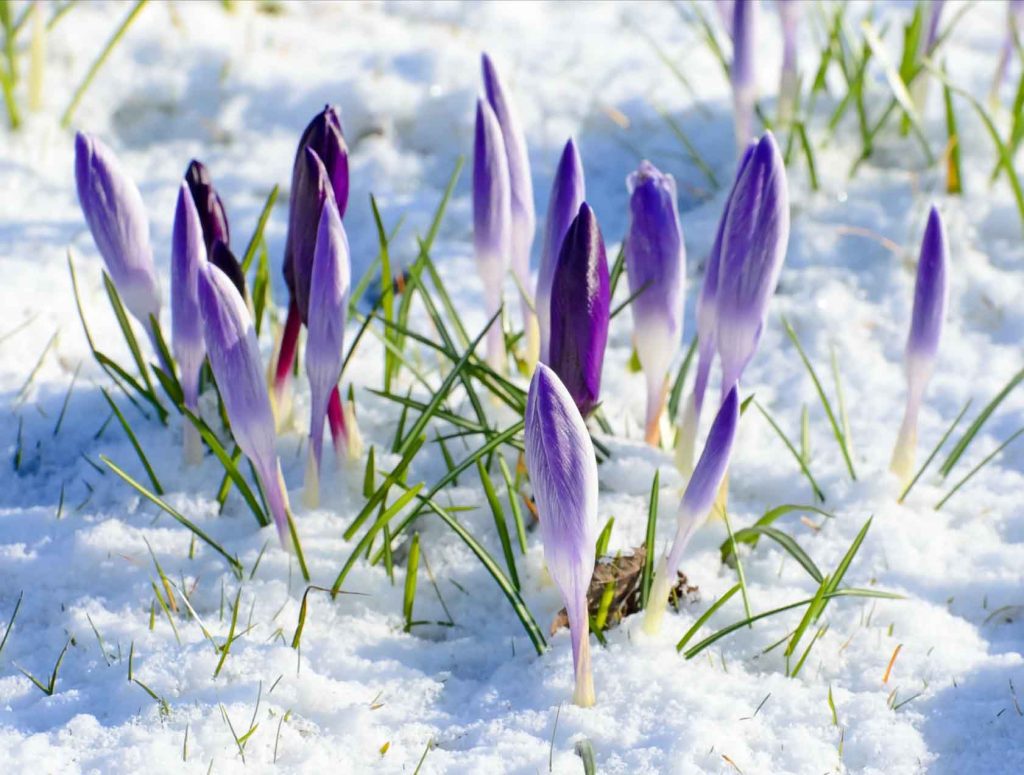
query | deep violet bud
(117,218)
(931,295)
(492,221)
(222,258)
(328,302)
(579,311)
(568,190)
(324,136)
(520,183)
(235,361)
(311,187)
(563,471)
(188,255)
(656,269)
(208,204)
(754,243)
(742,73)
(696,504)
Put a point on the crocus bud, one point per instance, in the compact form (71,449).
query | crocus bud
(656,269)
(492,220)
(208,205)
(706,313)
(222,258)
(754,243)
(328,303)
(789,17)
(568,191)
(563,470)
(117,219)
(742,73)
(579,311)
(235,360)
(931,294)
(312,188)
(521,187)
(324,136)
(188,255)
(696,504)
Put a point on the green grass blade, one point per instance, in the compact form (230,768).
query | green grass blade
(977,468)
(972,430)
(934,452)
(647,577)
(676,393)
(796,455)
(712,609)
(135,443)
(409,592)
(500,524)
(513,503)
(257,234)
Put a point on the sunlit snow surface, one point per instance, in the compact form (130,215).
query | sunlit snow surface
(236,91)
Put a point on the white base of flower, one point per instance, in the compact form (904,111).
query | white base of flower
(904,453)
(658,599)
(686,439)
(532,354)
(583,695)
(311,485)
(192,444)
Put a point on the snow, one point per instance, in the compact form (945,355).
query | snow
(235,90)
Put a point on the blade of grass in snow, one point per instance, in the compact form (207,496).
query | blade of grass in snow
(513,501)
(702,619)
(409,593)
(257,234)
(934,452)
(676,393)
(225,648)
(387,289)
(796,455)
(133,343)
(601,547)
(381,493)
(972,430)
(135,443)
(10,622)
(954,174)
(261,287)
(752,534)
(647,575)
(977,468)
(500,524)
(629,300)
(49,687)
(840,399)
(27,385)
(739,564)
(618,265)
(782,539)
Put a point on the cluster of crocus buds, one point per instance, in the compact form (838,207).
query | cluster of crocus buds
(696,504)
(742,71)
(563,470)
(656,269)
(931,293)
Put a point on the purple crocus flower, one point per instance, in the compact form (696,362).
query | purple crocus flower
(742,72)
(789,18)
(754,243)
(931,295)
(314,187)
(117,218)
(492,220)
(579,311)
(696,504)
(188,255)
(568,191)
(656,269)
(235,361)
(563,470)
(328,303)
(706,313)
(208,204)
(521,186)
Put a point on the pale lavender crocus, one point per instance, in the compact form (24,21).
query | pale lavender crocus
(696,504)
(789,18)
(117,218)
(931,295)
(492,221)
(656,270)
(563,471)
(706,313)
(188,255)
(754,243)
(742,72)
(568,190)
(521,186)
(328,303)
(235,361)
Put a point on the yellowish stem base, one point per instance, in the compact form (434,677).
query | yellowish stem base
(583,695)
(658,599)
(311,485)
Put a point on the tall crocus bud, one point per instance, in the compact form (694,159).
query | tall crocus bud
(117,219)
(222,258)
(656,269)
(568,191)
(789,17)
(235,360)
(563,470)
(188,255)
(521,186)
(579,311)
(696,504)
(706,314)
(754,243)
(742,73)
(492,220)
(208,204)
(328,303)
(931,293)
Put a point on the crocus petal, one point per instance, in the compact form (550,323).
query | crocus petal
(492,220)
(222,258)
(754,244)
(579,311)
(117,219)
(568,190)
(742,73)
(563,471)
(208,204)
(311,187)
(324,135)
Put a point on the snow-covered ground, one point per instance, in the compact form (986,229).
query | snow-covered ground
(235,90)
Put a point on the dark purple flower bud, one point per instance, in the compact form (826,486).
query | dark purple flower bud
(696,504)
(742,72)
(492,220)
(208,205)
(324,136)
(563,471)
(311,186)
(222,258)
(568,191)
(117,219)
(656,269)
(579,311)
(754,244)
(235,361)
